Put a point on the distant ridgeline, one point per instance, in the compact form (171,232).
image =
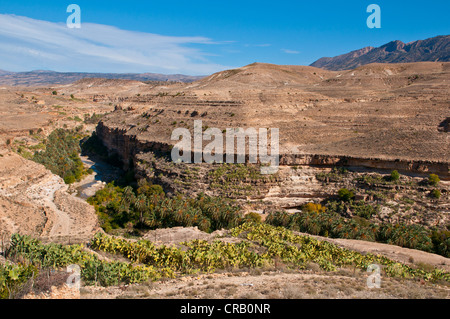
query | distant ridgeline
(435,49)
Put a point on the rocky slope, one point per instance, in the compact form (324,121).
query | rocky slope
(432,49)
(379,116)
(35,202)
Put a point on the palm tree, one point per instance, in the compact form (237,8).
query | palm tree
(140,204)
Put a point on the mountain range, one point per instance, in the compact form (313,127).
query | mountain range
(41,78)
(436,49)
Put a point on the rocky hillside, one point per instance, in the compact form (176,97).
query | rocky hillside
(376,115)
(432,49)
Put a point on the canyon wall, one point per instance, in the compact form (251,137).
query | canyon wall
(120,142)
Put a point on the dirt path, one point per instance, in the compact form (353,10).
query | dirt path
(35,202)
(44,194)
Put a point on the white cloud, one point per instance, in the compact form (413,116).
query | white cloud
(290,51)
(29,44)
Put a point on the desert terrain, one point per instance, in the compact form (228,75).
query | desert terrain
(371,120)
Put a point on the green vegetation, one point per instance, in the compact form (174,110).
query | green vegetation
(333,225)
(328,221)
(336,175)
(395,176)
(235,173)
(436,193)
(441,241)
(297,250)
(61,155)
(56,256)
(14,277)
(147,262)
(433,179)
(93,119)
(373,179)
(345,195)
(362,209)
(147,207)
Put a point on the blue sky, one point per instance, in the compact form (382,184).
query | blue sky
(202,37)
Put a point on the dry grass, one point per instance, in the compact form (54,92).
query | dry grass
(342,284)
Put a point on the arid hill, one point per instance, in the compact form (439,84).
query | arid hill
(377,112)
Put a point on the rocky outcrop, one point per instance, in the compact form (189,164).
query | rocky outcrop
(125,146)
(120,142)
(406,166)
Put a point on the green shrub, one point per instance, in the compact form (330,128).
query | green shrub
(436,193)
(395,176)
(69,179)
(345,194)
(433,179)
(313,207)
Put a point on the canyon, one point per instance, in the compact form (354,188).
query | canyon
(338,129)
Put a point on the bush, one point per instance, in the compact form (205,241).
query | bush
(312,207)
(69,179)
(345,194)
(433,179)
(395,176)
(55,93)
(436,193)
